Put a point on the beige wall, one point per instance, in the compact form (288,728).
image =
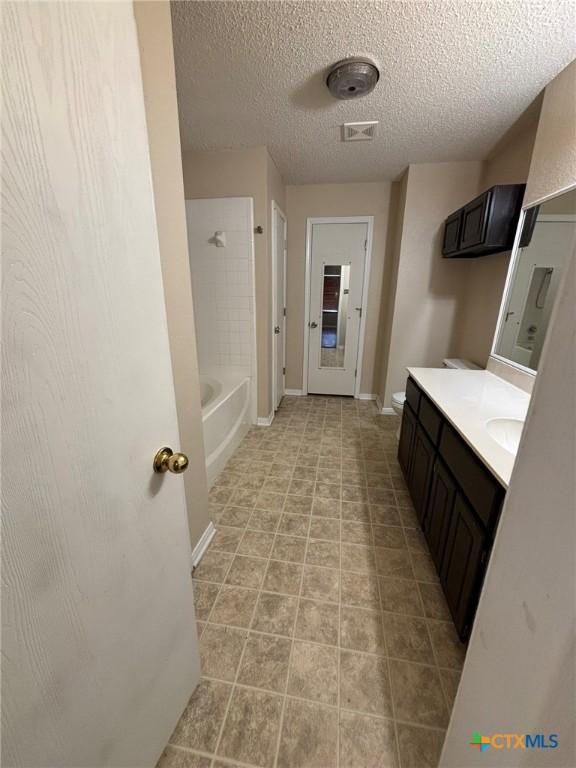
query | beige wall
(487,275)
(553,167)
(429,290)
(157,63)
(245,173)
(314,200)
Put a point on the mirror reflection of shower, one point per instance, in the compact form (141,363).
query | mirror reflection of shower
(335,287)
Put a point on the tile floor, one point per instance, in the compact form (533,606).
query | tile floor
(324,636)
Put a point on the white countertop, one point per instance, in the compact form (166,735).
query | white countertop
(468,399)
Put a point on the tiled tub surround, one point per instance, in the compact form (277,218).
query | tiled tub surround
(324,636)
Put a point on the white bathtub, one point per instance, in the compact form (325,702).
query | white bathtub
(226,417)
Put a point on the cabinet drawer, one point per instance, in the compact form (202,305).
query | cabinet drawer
(413,395)
(431,419)
(483,491)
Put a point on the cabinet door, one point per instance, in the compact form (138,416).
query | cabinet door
(406,441)
(475,220)
(463,565)
(452,233)
(439,512)
(421,471)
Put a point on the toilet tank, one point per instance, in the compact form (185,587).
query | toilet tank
(456,362)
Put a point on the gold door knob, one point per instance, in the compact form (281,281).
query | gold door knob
(168,461)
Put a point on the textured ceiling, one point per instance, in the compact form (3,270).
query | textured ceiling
(455,75)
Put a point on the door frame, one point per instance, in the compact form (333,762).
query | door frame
(369,220)
(277,211)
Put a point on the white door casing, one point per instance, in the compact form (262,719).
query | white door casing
(99,640)
(278,302)
(334,329)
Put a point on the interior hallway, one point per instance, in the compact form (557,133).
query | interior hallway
(325,639)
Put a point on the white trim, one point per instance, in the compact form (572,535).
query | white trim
(551,196)
(369,220)
(510,279)
(387,411)
(254,340)
(366,397)
(275,209)
(202,544)
(265,421)
(294,392)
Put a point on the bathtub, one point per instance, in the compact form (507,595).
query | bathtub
(226,417)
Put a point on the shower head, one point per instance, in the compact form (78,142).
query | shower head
(352,78)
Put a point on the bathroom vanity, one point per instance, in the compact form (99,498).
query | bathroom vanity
(460,430)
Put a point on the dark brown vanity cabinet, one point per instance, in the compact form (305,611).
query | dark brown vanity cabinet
(485,225)
(457,501)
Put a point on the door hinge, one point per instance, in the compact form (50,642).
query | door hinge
(284,311)
(284,371)
(366,244)
(355,372)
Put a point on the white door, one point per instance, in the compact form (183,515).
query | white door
(279,301)
(99,651)
(337,264)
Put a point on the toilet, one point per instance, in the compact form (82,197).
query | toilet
(398,398)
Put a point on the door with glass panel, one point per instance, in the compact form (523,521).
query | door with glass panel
(337,263)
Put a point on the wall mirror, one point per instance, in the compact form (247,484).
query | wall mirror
(536,268)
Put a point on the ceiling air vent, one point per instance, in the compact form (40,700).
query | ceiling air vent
(359,131)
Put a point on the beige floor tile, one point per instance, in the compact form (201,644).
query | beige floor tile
(220,651)
(275,614)
(301,488)
(298,505)
(264,520)
(236,517)
(199,726)
(265,662)
(317,621)
(290,548)
(213,567)
(173,757)
(226,539)
(220,495)
(417,693)
(270,501)
(235,606)
(450,682)
(449,651)
(246,572)
(356,511)
(309,736)
(323,553)
(325,528)
(356,533)
(314,673)
(281,470)
(364,684)
(327,491)
(283,577)
(367,742)
(294,525)
(251,729)
(389,536)
(407,638)
(359,589)
(435,605)
(400,596)
(384,514)
(256,543)
(304,472)
(244,497)
(419,747)
(326,507)
(423,567)
(276,484)
(361,630)
(415,540)
(351,492)
(356,557)
(394,563)
(204,597)
(321,583)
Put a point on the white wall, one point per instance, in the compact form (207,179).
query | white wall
(222,283)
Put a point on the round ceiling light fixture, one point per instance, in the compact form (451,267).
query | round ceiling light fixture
(352,78)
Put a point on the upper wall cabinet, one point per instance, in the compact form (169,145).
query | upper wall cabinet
(485,225)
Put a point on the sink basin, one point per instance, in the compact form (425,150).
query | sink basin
(506,432)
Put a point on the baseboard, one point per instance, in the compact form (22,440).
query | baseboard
(366,397)
(387,411)
(265,421)
(294,392)
(202,544)
(379,404)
